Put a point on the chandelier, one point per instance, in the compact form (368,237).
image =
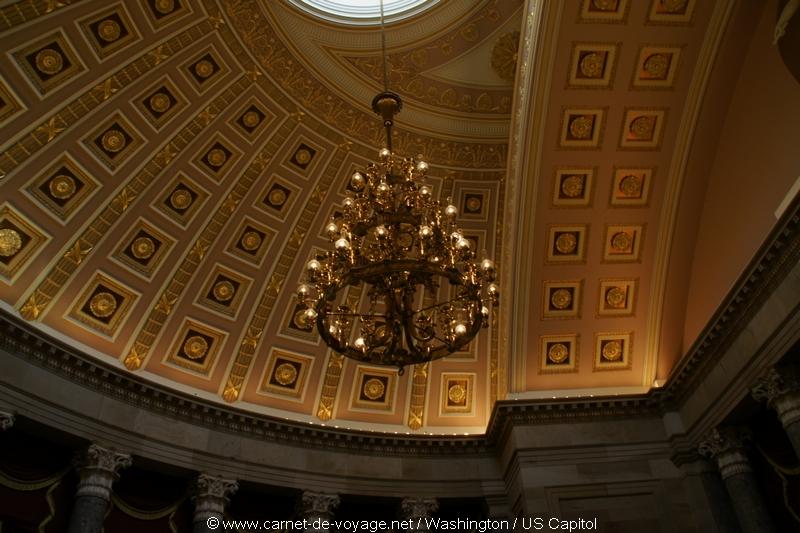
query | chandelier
(428,294)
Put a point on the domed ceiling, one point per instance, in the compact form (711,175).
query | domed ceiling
(167,167)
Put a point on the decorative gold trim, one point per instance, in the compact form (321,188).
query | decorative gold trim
(457,394)
(613,351)
(559,354)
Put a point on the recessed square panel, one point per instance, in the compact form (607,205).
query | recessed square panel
(656,67)
(592,65)
(623,243)
(617,297)
(374,389)
(160,102)
(572,187)
(278,198)
(204,70)
(20,239)
(613,11)
(558,353)
(252,119)
(143,249)
(566,244)
(109,31)
(224,290)
(49,62)
(114,142)
(103,304)
(163,12)
(642,129)
(303,156)
(562,299)
(612,351)
(251,241)
(457,394)
(473,204)
(9,103)
(182,200)
(217,157)
(286,374)
(631,187)
(62,188)
(582,128)
(195,348)
(671,11)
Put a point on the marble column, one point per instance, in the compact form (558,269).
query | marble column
(6,420)
(98,468)
(210,495)
(712,510)
(316,508)
(727,447)
(780,389)
(497,508)
(417,510)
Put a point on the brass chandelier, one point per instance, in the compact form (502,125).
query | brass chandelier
(427,293)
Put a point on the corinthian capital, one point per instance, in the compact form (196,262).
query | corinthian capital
(780,389)
(214,487)
(318,503)
(417,507)
(6,420)
(727,446)
(99,468)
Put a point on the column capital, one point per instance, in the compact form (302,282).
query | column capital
(99,468)
(210,494)
(417,507)
(318,503)
(780,389)
(727,446)
(6,420)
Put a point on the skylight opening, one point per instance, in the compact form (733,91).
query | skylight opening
(363,12)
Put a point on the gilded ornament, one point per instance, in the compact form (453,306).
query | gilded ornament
(631,186)
(113,141)
(572,186)
(160,102)
(612,350)
(143,247)
(300,320)
(204,68)
(558,352)
(616,297)
(674,6)
(656,66)
(457,393)
(277,197)
(302,156)
(223,291)
(195,347)
(61,187)
(592,65)
(251,241)
(605,5)
(561,298)
(285,374)
(49,61)
(581,127)
(642,127)
(473,204)
(216,157)
(566,243)
(251,119)
(165,6)
(103,304)
(621,242)
(374,389)
(10,242)
(109,30)
(180,199)
(504,55)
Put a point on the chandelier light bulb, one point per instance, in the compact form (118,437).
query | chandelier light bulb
(485,312)
(460,329)
(313,265)
(493,289)
(384,153)
(360,344)
(487,265)
(348,202)
(331,229)
(303,291)
(383,187)
(462,244)
(310,314)
(342,244)
(382,232)
(425,232)
(357,181)
(422,166)
(425,191)
(451,211)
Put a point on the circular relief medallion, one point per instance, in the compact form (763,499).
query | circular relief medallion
(300,320)
(621,242)
(561,298)
(223,290)
(572,186)
(61,187)
(642,127)
(160,102)
(656,65)
(612,350)
(180,199)
(49,61)
(504,55)
(566,243)
(204,68)
(165,6)
(103,304)
(591,65)
(143,247)
(109,30)
(302,156)
(605,5)
(581,127)
(616,296)
(558,352)
(251,241)
(374,389)
(631,185)
(473,204)
(10,242)
(674,6)
(285,374)
(457,393)
(195,347)
(216,157)
(113,141)
(277,197)
(251,119)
